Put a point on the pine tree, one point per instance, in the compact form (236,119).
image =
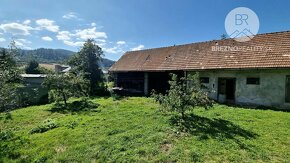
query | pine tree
(32,67)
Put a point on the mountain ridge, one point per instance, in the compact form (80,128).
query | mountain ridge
(48,55)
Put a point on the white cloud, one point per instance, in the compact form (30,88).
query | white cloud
(2,39)
(139,47)
(26,22)
(93,24)
(121,42)
(90,33)
(64,35)
(78,38)
(16,28)
(113,50)
(22,43)
(18,43)
(71,43)
(117,49)
(47,38)
(100,40)
(71,15)
(110,50)
(47,24)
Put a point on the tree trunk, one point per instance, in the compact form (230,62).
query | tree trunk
(64,98)
(183,115)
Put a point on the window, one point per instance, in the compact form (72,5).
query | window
(204,80)
(254,81)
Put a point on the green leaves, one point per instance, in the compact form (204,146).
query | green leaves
(32,67)
(9,78)
(85,64)
(184,94)
(45,126)
(63,86)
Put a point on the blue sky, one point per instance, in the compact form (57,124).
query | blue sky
(122,25)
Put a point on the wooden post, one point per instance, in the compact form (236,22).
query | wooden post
(146,93)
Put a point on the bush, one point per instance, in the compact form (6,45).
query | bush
(45,126)
(84,104)
(76,106)
(116,97)
(6,135)
(9,145)
(72,124)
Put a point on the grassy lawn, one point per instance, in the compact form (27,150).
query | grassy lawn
(133,129)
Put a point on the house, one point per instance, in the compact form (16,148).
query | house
(253,72)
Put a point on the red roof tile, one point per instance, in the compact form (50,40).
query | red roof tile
(198,56)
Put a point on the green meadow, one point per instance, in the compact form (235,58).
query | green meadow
(134,129)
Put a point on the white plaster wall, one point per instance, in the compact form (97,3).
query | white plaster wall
(270,92)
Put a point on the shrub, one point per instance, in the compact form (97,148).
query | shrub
(72,124)
(45,126)
(84,104)
(6,135)
(9,145)
(116,96)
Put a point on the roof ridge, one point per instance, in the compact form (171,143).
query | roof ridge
(199,42)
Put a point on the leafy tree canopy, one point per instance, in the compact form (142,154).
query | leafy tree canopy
(85,64)
(9,78)
(63,86)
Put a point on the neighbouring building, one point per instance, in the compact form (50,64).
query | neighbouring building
(33,79)
(253,72)
(32,91)
(61,68)
(58,68)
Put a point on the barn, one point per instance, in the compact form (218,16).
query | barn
(253,72)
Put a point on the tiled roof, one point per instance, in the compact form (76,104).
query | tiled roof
(270,50)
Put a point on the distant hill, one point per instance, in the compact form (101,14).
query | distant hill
(43,55)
